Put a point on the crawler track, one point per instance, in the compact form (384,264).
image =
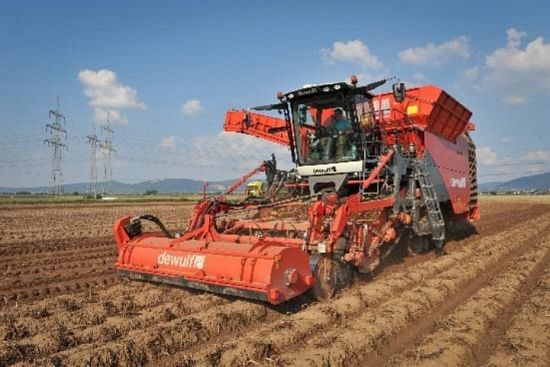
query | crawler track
(483,303)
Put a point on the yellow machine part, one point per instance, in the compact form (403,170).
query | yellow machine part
(255,189)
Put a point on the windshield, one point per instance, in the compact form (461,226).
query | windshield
(323,134)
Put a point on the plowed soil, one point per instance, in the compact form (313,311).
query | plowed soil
(485,302)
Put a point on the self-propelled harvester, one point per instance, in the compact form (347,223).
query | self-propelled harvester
(373,171)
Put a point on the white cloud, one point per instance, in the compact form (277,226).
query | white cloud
(192,107)
(471,73)
(514,100)
(234,149)
(419,77)
(486,156)
(538,155)
(534,169)
(514,37)
(509,166)
(432,54)
(168,143)
(101,153)
(211,157)
(107,95)
(100,115)
(352,51)
(104,90)
(521,72)
(534,58)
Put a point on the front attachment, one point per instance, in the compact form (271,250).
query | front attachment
(258,269)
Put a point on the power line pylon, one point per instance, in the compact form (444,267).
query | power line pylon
(108,152)
(94,143)
(58,135)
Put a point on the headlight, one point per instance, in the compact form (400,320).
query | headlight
(337,87)
(291,95)
(326,89)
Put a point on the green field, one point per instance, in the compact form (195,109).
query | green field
(535,199)
(79,199)
(192,198)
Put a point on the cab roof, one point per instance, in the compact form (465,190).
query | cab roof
(320,90)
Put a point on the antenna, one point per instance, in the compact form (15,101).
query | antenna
(108,151)
(58,135)
(94,142)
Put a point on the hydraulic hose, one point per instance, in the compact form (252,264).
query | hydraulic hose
(152,218)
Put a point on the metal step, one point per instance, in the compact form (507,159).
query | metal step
(429,195)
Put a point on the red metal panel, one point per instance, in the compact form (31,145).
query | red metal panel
(262,267)
(428,108)
(266,127)
(451,160)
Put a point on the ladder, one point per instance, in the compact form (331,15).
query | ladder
(435,217)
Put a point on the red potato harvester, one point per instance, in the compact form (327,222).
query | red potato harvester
(373,171)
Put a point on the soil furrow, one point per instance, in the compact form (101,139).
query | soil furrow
(343,347)
(463,235)
(290,334)
(141,346)
(89,308)
(486,301)
(121,319)
(37,276)
(413,336)
(497,326)
(101,257)
(527,341)
(38,255)
(64,286)
(464,336)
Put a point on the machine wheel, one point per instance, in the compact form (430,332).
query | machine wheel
(330,276)
(419,244)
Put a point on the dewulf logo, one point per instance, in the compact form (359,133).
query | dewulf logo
(324,170)
(458,182)
(188,261)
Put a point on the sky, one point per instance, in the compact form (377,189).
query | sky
(166,73)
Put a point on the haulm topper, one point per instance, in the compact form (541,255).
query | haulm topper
(373,171)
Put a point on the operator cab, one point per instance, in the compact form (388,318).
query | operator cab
(332,131)
(325,128)
(328,127)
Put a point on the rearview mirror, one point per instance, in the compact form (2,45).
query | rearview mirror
(398,92)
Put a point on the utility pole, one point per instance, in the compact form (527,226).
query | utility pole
(108,152)
(58,135)
(94,142)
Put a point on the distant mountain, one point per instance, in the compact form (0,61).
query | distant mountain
(490,186)
(169,186)
(183,185)
(528,183)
